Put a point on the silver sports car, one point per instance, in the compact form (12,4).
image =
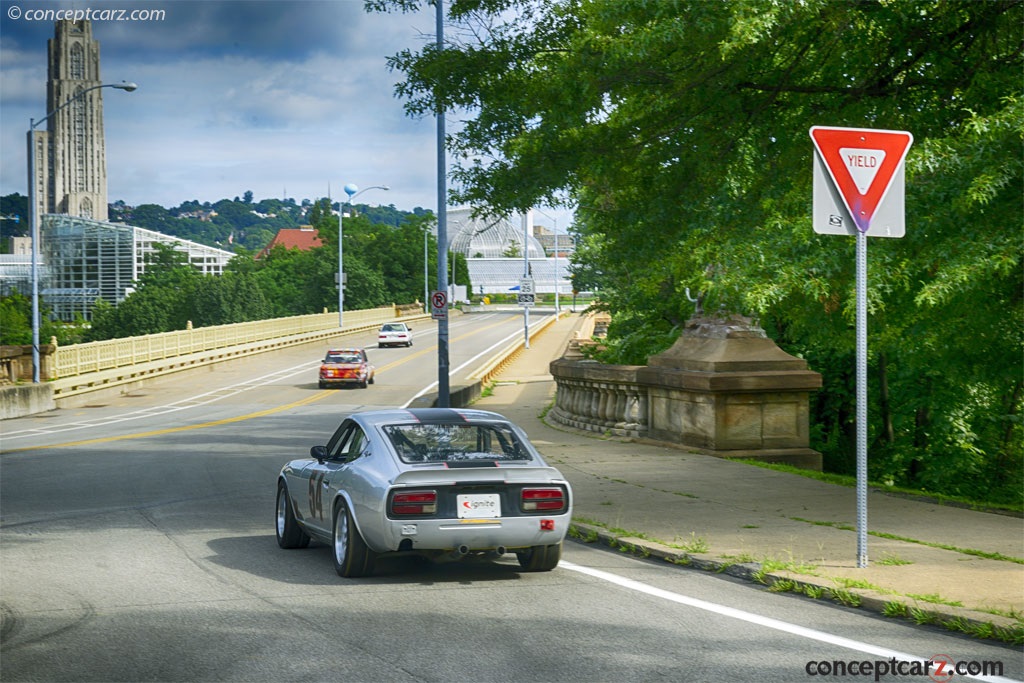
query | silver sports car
(439,482)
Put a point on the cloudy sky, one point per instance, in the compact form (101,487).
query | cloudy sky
(286,99)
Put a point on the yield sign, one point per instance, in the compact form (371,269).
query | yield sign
(863,164)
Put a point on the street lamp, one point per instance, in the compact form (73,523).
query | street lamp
(352,191)
(426,292)
(34,213)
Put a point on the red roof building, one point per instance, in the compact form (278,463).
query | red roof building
(303,239)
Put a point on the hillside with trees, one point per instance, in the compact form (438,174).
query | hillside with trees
(679,132)
(383,263)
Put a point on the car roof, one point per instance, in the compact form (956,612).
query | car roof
(427,415)
(345,350)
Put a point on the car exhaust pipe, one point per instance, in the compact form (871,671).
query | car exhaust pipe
(460,552)
(499,551)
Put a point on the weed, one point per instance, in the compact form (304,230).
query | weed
(935,599)
(845,597)
(857,583)
(696,544)
(750,526)
(894,608)
(892,561)
(920,617)
(812,591)
(782,586)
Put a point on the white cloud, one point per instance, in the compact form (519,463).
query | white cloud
(229,101)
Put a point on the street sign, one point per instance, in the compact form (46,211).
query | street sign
(858,181)
(439,305)
(526,285)
(527,299)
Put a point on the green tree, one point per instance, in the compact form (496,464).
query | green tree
(679,130)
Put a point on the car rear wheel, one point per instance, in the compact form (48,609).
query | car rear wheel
(289,533)
(540,558)
(352,558)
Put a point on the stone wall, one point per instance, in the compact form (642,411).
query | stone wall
(723,389)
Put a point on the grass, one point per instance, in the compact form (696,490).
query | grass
(906,539)
(851,482)
(935,599)
(892,561)
(842,594)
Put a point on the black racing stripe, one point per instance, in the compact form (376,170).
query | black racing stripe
(438,415)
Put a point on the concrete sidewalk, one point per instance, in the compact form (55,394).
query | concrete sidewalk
(927,562)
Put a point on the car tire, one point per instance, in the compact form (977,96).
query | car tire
(289,533)
(409,344)
(362,385)
(380,346)
(372,380)
(352,558)
(540,558)
(323,385)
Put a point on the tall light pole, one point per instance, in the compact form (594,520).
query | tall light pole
(426,277)
(443,381)
(34,213)
(352,191)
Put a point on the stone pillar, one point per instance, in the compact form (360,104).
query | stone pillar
(726,389)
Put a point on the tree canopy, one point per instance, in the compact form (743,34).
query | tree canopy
(678,130)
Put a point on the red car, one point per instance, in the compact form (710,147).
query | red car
(346,366)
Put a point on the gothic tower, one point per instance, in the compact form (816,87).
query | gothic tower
(71,164)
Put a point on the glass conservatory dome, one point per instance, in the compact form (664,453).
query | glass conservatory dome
(489,237)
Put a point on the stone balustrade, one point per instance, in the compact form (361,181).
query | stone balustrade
(723,389)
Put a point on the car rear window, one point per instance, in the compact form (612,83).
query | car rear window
(342,358)
(443,442)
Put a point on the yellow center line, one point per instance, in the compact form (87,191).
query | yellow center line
(238,418)
(171,430)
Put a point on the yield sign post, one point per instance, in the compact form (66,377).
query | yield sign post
(858,180)
(858,186)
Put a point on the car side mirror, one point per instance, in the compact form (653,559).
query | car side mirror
(408,328)
(319,452)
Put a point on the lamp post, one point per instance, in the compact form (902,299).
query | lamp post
(426,292)
(34,213)
(352,191)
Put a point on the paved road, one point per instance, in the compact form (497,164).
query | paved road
(136,544)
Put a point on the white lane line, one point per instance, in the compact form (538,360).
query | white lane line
(768,622)
(213,396)
(490,348)
(183,404)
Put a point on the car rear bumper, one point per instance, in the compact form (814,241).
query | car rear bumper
(476,534)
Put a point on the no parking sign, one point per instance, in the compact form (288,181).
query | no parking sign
(439,305)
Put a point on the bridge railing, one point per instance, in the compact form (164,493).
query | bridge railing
(80,368)
(80,359)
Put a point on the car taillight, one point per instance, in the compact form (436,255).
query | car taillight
(414,502)
(543,499)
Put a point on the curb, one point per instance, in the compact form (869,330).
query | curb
(975,624)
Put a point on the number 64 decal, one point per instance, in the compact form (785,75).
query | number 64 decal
(316,495)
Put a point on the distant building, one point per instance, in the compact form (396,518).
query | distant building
(494,250)
(70,155)
(88,260)
(303,238)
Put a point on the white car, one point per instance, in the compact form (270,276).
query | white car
(394,334)
(437,482)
